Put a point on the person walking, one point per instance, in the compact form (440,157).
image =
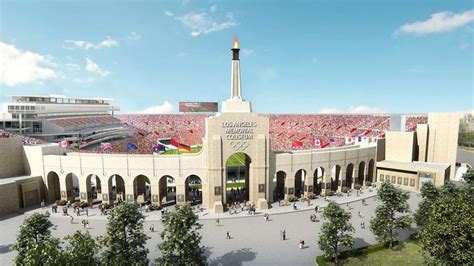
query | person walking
(72,219)
(362,225)
(284,234)
(217,222)
(228,235)
(301,244)
(152,228)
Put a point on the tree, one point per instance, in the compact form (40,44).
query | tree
(181,245)
(82,249)
(335,232)
(429,193)
(35,245)
(125,240)
(391,215)
(448,236)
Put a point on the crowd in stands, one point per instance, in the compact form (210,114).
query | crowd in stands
(412,121)
(77,123)
(24,139)
(331,130)
(189,129)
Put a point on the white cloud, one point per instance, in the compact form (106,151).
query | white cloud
(165,108)
(91,66)
(330,111)
(133,36)
(107,42)
(22,67)
(439,22)
(247,52)
(361,109)
(203,23)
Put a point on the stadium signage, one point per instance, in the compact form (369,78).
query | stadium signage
(239,130)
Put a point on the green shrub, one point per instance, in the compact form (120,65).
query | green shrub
(357,186)
(291,198)
(81,204)
(368,183)
(330,193)
(344,189)
(61,202)
(155,207)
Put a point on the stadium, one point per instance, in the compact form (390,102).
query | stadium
(76,149)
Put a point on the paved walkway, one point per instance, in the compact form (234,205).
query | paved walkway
(254,240)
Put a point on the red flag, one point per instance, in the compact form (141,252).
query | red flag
(296,144)
(353,129)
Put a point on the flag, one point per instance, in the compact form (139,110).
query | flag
(353,129)
(317,143)
(105,146)
(368,132)
(324,145)
(381,135)
(180,146)
(160,148)
(349,140)
(296,144)
(131,147)
(63,144)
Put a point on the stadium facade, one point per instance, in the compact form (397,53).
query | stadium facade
(31,173)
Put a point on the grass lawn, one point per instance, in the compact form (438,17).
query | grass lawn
(236,159)
(228,185)
(406,253)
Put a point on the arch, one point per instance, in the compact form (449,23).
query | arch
(318,180)
(167,190)
(360,176)
(72,187)
(279,191)
(141,189)
(335,178)
(116,188)
(94,187)
(54,190)
(193,188)
(370,174)
(237,169)
(300,177)
(349,173)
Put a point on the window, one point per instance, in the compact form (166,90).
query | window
(394,179)
(412,182)
(399,181)
(405,181)
(381,178)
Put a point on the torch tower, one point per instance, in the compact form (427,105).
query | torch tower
(236,104)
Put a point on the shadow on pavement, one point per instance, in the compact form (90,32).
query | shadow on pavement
(5,248)
(235,257)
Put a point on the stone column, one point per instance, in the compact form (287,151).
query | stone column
(155,195)
(289,189)
(180,194)
(308,186)
(327,181)
(342,180)
(84,190)
(63,190)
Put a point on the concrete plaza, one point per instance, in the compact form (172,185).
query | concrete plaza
(254,240)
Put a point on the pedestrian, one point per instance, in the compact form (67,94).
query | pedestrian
(362,225)
(217,222)
(360,215)
(83,222)
(294,206)
(42,203)
(87,212)
(363,202)
(301,244)
(152,228)
(228,235)
(309,201)
(72,219)
(78,211)
(87,224)
(284,235)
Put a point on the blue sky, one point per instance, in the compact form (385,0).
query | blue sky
(297,57)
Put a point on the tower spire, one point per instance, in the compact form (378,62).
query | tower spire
(235,90)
